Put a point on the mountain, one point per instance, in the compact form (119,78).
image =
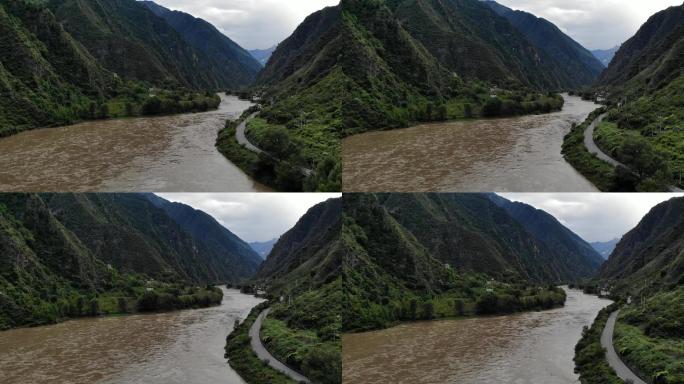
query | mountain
(651,256)
(132,234)
(232,250)
(303,281)
(71,255)
(651,59)
(426,256)
(237,66)
(605,248)
(569,247)
(605,56)
(263,55)
(575,63)
(263,248)
(646,271)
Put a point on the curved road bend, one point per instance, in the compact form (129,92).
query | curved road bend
(243,140)
(612,357)
(264,355)
(591,146)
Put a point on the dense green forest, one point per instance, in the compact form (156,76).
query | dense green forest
(426,256)
(55,71)
(303,282)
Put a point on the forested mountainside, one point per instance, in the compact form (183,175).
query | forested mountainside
(645,86)
(234,253)
(68,255)
(646,271)
(567,245)
(67,60)
(235,66)
(424,256)
(576,65)
(302,277)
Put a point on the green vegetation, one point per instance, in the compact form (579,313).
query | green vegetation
(603,175)
(282,169)
(590,357)
(649,337)
(243,359)
(305,334)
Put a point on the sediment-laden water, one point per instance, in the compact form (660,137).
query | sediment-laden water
(518,154)
(169,348)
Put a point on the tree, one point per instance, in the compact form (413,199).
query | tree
(467,111)
(459,307)
(640,155)
(94,307)
(442,113)
(121,303)
(413,309)
(276,140)
(104,111)
(428,310)
(152,106)
(492,107)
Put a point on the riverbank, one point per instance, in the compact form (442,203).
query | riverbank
(524,347)
(590,356)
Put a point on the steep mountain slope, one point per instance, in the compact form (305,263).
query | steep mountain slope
(232,250)
(238,67)
(129,232)
(577,66)
(472,233)
(605,248)
(49,272)
(303,280)
(651,256)
(645,87)
(605,56)
(131,41)
(263,248)
(412,257)
(652,58)
(567,246)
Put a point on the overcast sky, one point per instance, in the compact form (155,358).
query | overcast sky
(253,216)
(596,24)
(594,216)
(254,24)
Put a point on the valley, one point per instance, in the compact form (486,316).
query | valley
(506,154)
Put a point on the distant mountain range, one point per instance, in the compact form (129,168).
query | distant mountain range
(605,248)
(263,248)
(263,55)
(605,56)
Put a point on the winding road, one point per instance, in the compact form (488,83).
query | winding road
(593,148)
(264,355)
(242,139)
(621,369)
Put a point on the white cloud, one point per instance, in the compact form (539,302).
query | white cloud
(253,216)
(594,216)
(251,23)
(596,24)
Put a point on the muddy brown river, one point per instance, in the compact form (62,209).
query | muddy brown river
(168,153)
(529,348)
(513,154)
(177,347)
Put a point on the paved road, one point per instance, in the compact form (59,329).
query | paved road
(612,357)
(264,355)
(242,139)
(593,148)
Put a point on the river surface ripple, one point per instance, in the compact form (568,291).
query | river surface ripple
(174,153)
(526,348)
(176,347)
(519,154)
